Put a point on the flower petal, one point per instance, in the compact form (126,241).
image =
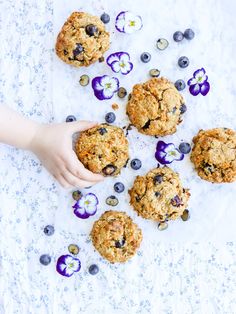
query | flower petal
(194,89)
(115,66)
(113,57)
(205,88)
(192,81)
(127,68)
(96,83)
(81,215)
(178,155)
(120,21)
(169,148)
(91,210)
(199,73)
(161,145)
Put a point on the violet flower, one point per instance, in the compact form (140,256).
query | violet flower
(105,87)
(120,62)
(67,265)
(198,83)
(166,153)
(127,22)
(86,206)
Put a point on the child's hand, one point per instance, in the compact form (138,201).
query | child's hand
(52,143)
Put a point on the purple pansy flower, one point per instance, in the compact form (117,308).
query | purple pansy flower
(105,87)
(198,83)
(86,206)
(67,265)
(166,153)
(120,62)
(127,22)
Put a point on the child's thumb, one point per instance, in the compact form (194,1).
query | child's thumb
(78,126)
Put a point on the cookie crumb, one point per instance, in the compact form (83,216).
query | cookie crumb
(115,106)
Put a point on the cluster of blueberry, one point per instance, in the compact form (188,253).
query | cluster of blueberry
(45,259)
(162,44)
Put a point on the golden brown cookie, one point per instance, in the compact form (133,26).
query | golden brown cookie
(214,155)
(155,107)
(82,40)
(103,149)
(159,195)
(116,236)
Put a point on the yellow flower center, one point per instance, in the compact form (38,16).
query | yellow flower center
(132,23)
(122,65)
(71,265)
(87,202)
(108,85)
(172,153)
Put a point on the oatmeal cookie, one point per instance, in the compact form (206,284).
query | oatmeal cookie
(214,155)
(103,149)
(116,236)
(159,195)
(82,40)
(155,107)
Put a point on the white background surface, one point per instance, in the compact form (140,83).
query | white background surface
(171,273)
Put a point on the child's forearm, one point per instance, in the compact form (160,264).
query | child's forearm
(15,129)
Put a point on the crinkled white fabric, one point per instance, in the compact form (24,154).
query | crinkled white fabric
(171,273)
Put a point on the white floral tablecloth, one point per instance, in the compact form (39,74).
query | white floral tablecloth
(189,268)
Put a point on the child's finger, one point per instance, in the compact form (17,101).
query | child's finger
(62,182)
(76,182)
(78,169)
(78,126)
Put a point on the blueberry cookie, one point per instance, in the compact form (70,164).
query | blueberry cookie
(82,40)
(116,236)
(103,149)
(159,195)
(214,155)
(155,107)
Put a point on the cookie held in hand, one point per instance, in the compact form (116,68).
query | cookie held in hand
(103,149)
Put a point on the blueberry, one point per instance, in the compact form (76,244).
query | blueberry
(183,62)
(110,117)
(183,108)
(109,170)
(176,201)
(136,164)
(105,18)
(120,244)
(93,269)
(76,195)
(79,48)
(154,73)
(184,148)
(145,57)
(158,179)
(119,187)
(48,230)
(189,34)
(180,85)
(162,44)
(157,194)
(91,29)
(102,131)
(122,92)
(162,226)
(84,80)
(185,216)
(45,259)
(70,118)
(112,200)
(178,36)
(73,249)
